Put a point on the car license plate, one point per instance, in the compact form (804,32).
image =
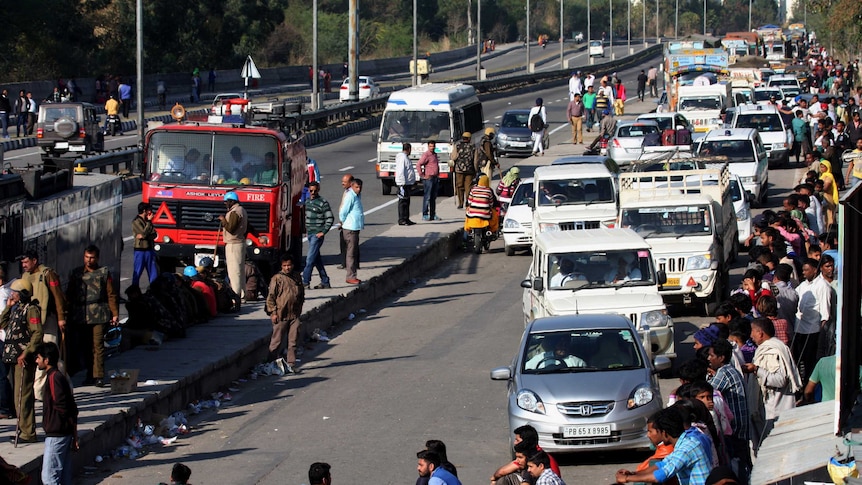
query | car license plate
(200,256)
(61,144)
(77,148)
(672,282)
(587,431)
(520,144)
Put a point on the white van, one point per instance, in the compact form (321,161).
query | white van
(746,155)
(777,137)
(419,114)
(597,48)
(598,271)
(573,197)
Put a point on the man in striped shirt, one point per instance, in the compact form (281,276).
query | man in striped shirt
(726,379)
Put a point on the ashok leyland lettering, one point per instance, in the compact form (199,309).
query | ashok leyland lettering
(419,114)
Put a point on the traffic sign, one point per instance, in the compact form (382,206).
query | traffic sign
(249,70)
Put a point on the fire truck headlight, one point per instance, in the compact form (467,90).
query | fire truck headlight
(248,242)
(264,240)
(157,247)
(256,251)
(166,239)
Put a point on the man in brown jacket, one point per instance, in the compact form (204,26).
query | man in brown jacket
(284,307)
(145,237)
(52,304)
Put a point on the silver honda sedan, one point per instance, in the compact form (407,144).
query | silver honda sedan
(584,382)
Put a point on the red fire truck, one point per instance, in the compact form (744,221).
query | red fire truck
(190,166)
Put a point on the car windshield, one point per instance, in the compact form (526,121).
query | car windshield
(576,191)
(734,150)
(187,158)
(587,350)
(664,122)
(50,115)
(636,131)
(666,222)
(596,269)
(700,103)
(416,126)
(523,193)
(595,43)
(767,122)
(515,120)
(766,95)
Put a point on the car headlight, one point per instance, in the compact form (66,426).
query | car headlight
(779,145)
(641,396)
(529,401)
(701,261)
(743,214)
(549,227)
(511,224)
(748,180)
(654,318)
(502,137)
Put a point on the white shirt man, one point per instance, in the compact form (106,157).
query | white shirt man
(590,80)
(575,86)
(538,136)
(815,303)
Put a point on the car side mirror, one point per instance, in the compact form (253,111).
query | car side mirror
(501,374)
(531,202)
(661,363)
(537,284)
(661,276)
(526,284)
(375,137)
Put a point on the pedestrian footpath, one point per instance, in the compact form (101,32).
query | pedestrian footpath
(216,353)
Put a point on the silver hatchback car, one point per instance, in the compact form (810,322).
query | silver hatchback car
(627,144)
(584,382)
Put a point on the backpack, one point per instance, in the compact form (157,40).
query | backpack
(536,122)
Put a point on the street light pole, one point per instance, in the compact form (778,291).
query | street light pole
(478,40)
(749,15)
(527,40)
(611,31)
(589,38)
(415,47)
(676,21)
(704,17)
(643,35)
(629,31)
(657,20)
(562,38)
(315,78)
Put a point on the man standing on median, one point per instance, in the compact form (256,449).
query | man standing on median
(352,221)
(429,169)
(405,179)
(145,237)
(59,419)
(318,221)
(284,307)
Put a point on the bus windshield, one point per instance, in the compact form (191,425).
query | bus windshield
(416,126)
(213,159)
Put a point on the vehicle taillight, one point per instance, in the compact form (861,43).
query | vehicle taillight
(82,133)
(40,132)
(365,87)
(343,86)
(617,143)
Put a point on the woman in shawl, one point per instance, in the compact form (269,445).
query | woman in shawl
(830,190)
(506,187)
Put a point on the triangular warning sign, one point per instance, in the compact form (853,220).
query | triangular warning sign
(249,70)
(163,216)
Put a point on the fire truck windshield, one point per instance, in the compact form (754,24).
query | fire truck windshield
(206,158)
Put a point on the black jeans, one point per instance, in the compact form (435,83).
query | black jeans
(403,203)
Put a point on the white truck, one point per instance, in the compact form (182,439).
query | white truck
(599,271)
(702,104)
(573,197)
(419,114)
(688,220)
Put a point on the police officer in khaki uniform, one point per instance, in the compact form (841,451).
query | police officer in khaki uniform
(22,321)
(93,304)
(235,225)
(52,303)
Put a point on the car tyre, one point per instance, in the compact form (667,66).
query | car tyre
(386,187)
(510,251)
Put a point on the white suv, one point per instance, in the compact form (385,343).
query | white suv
(777,137)
(746,156)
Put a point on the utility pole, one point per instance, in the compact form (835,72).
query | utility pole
(315,78)
(352,47)
(479,40)
(415,47)
(527,40)
(139,93)
(562,37)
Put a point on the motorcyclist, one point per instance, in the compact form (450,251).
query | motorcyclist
(112,108)
(482,207)
(606,128)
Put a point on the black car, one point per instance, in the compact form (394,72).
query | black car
(514,136)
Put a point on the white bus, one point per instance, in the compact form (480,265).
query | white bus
(419,114)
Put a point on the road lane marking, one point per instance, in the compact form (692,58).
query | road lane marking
(369,211)
(372,160)
(345,168)
(127,239)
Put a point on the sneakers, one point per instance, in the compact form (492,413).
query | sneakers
(436,218)
(322,286)
(408,222)
(341,266)
(425,218)
(307,286)
(353,281)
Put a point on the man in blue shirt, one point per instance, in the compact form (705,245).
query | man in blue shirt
(690,462)
(428,465)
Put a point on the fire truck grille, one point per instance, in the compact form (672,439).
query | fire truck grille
(203,216)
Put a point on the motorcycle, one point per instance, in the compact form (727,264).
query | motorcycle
(113,126)
(600,147)
(480,238)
